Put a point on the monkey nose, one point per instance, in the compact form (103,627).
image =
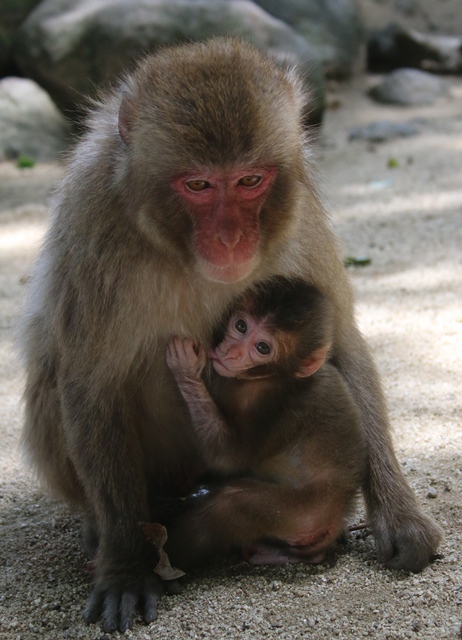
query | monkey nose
(230,239)
(234,352)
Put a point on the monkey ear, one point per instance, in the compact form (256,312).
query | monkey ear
(314,362)
(125,116)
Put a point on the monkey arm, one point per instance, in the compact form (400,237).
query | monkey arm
(406,538)
(219,444)
(124,560)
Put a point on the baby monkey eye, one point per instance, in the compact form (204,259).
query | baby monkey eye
(241,326)
(263,348)
(250,181)
(197,185)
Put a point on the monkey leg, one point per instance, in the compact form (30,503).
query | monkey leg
(247,511)
(116,501)
(42,436)
(279,552)
(306,546)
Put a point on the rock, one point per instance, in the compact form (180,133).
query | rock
(396,46)
(410,87)
(383,130)
(72,46)
(30,124)
(432,493)
(334,27)
(13,12)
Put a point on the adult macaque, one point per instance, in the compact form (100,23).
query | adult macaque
(296,437)
(191,184)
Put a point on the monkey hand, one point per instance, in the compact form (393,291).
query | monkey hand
(115,599)
(410,544)
(185,358)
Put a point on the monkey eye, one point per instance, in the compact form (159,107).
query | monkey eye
(263,348)
(250,181)
(197,185)
(241,326)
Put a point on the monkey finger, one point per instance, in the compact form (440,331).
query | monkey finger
(174,344)
(173,353)
(127,610)
(201,356)
(150,607)
(152,592)
(385,549)
(185,351)
(190,347)
(190,353)
(111,610)
(94,605)
(170,352)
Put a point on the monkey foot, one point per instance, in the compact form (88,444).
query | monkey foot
(261,554)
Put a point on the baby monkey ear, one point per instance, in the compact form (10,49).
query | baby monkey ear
(313,362)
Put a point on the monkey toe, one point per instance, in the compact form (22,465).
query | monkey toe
(117,607)
(93,607)
(152,593)
(105,605)
(110,611)
(150,607)
(127,610)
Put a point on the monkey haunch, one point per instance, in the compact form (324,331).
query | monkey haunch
(191,184)
(295,439)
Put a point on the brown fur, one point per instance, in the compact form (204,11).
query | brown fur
(118,275)
(298,442)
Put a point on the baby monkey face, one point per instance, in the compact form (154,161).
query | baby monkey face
(248,342)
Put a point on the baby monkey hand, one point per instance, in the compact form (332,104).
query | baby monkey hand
(185,357)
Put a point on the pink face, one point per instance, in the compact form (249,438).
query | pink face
(225,210)
(247,344)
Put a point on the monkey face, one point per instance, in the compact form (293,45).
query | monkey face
(224,207)
(248,343)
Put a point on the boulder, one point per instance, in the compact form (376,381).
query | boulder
(383,130)
(410,87)
(13,12)
(30,123)
(396,46)
(71,47)
(334,27)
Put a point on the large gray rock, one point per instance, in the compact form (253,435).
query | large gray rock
(410,87)
(12,13)
(30,123)
(73,46)
(396,46)
(334,27)
(383,130)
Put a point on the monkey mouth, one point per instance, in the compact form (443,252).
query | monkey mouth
(228,273)
(221,368)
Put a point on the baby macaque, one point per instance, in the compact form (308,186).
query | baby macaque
(278,422)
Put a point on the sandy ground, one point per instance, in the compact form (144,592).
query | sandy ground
(408,220)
